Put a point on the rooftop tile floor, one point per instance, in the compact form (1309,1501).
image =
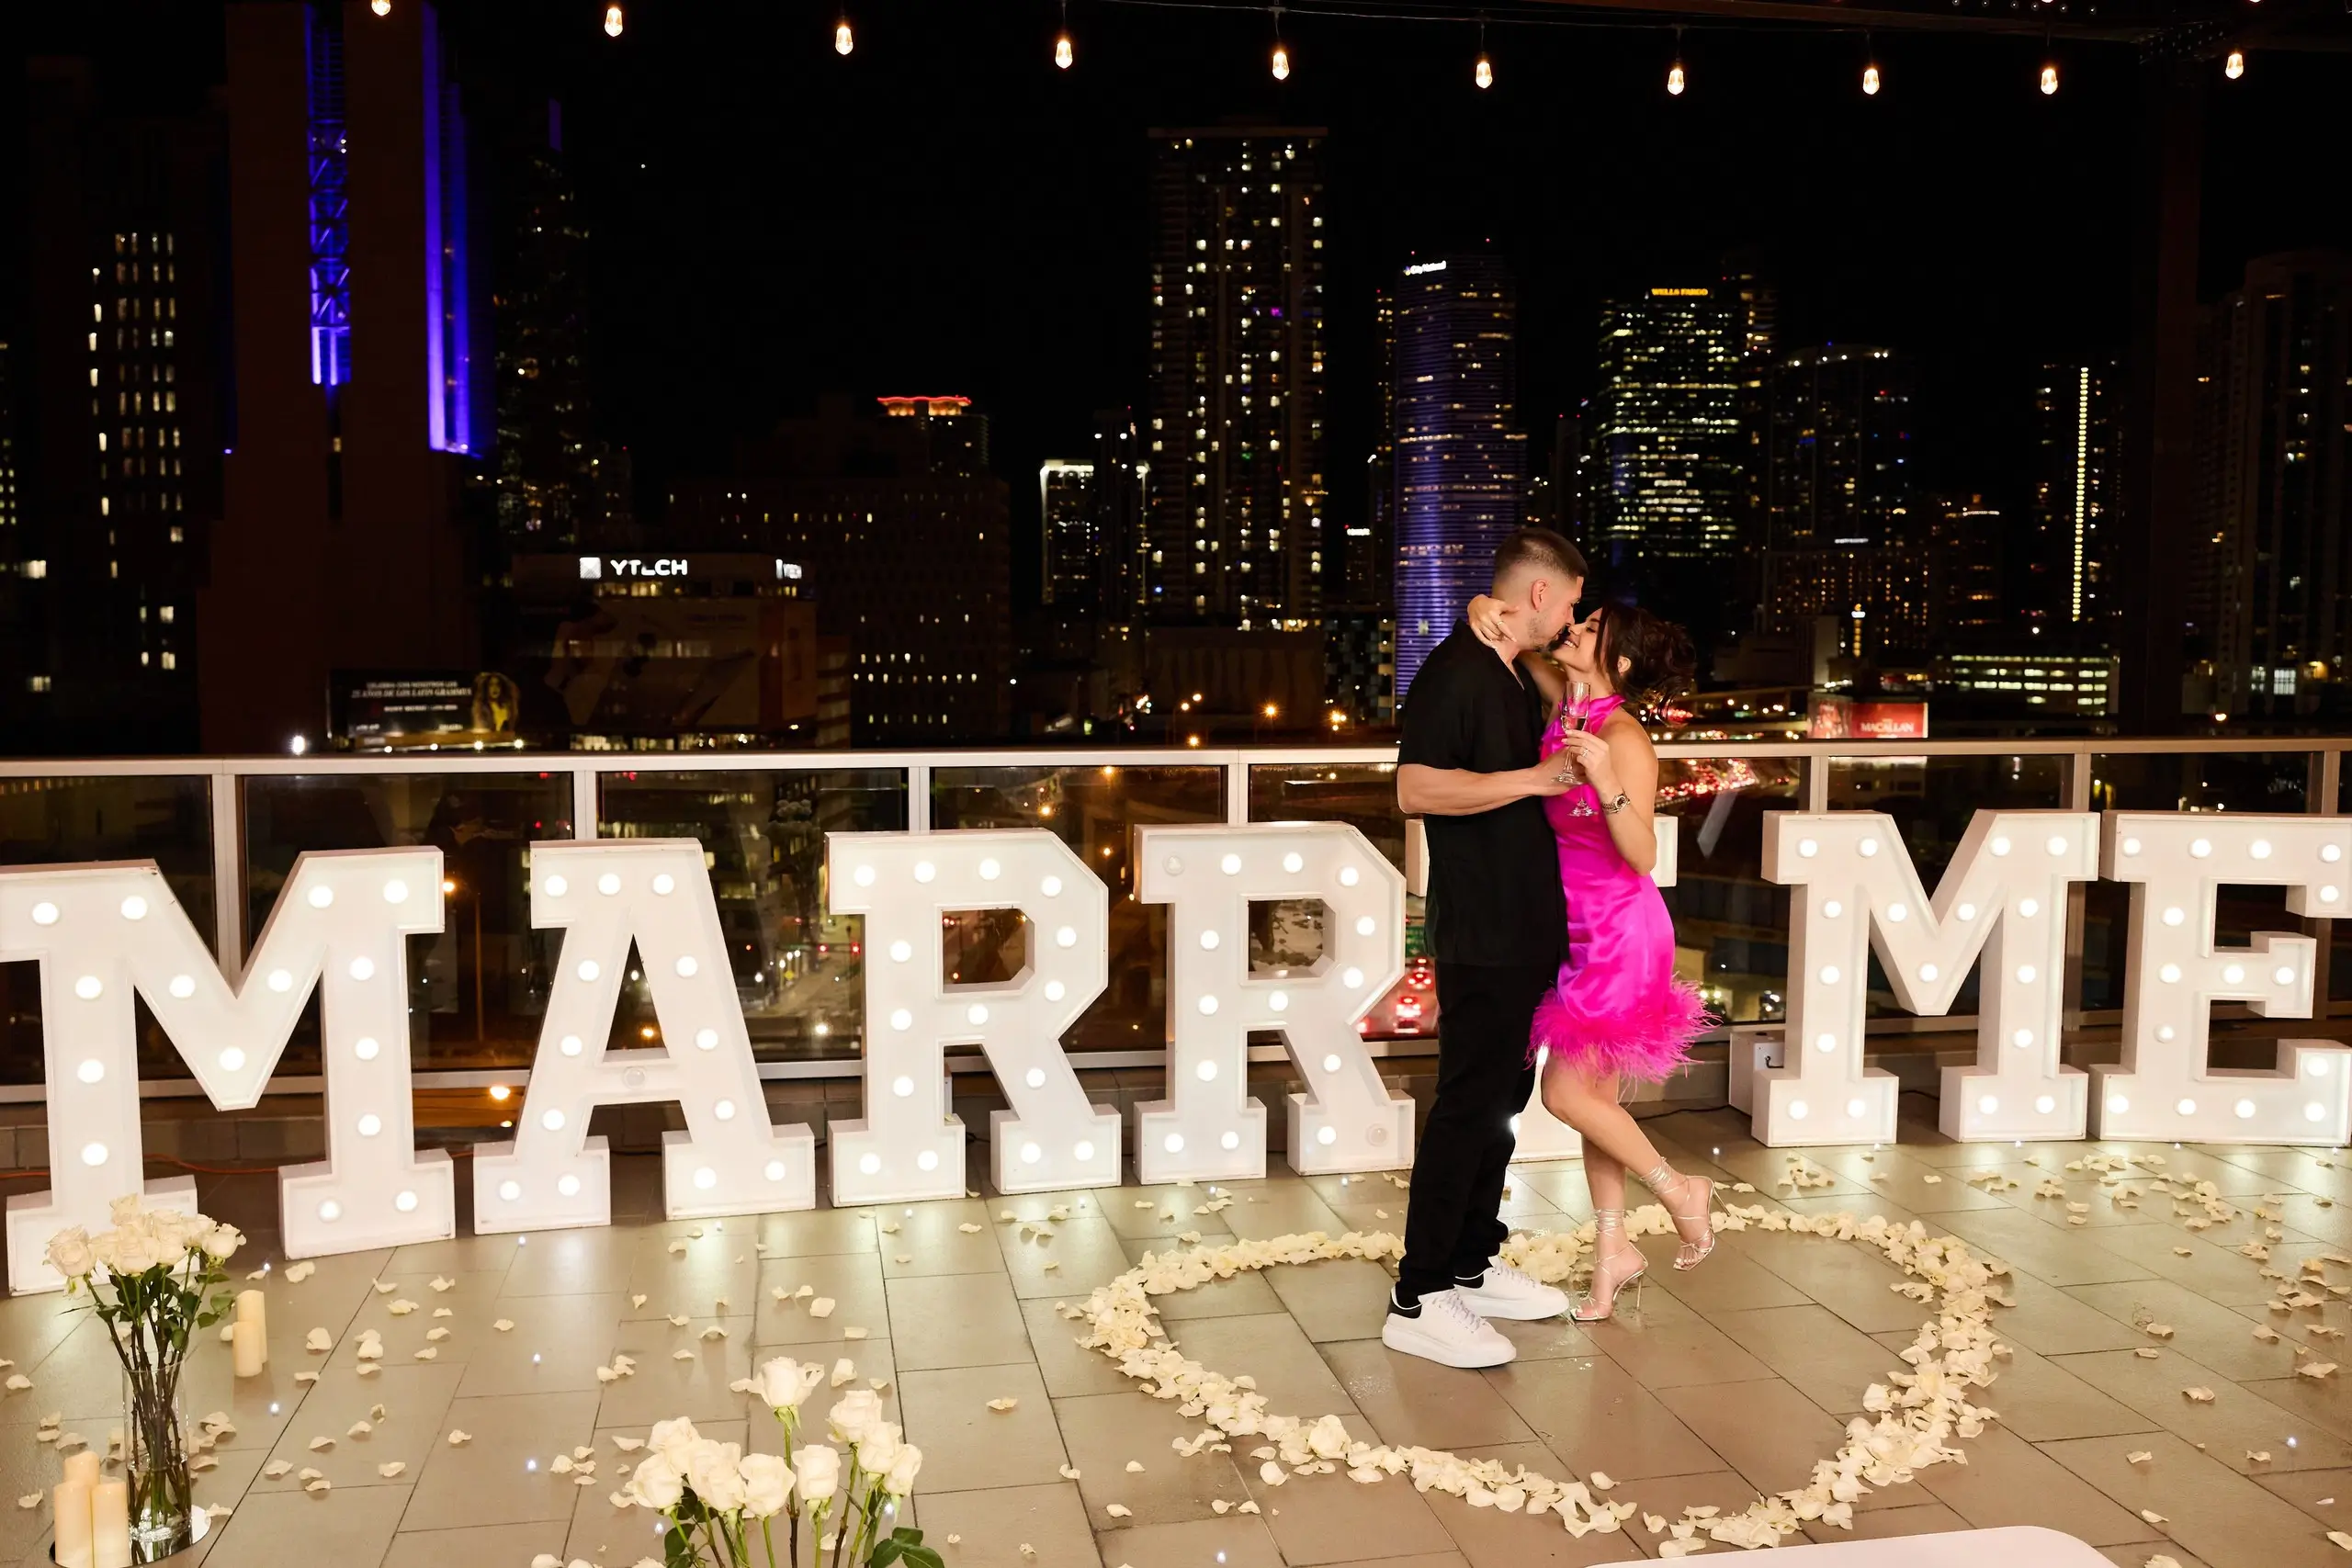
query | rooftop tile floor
(1730,1379)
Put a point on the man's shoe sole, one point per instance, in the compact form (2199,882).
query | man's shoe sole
(1404,1335)
(1511,1308)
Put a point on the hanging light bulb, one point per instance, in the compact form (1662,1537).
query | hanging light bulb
(381,7)
(1064,53)
(1484,74)
(843,39)
(1870,80)
(1281,62)
(1675,80)
(2049,78)
(2234,67)
(613,21)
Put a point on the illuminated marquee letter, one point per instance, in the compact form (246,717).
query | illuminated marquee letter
(2004,894)
(730,1159)
(2163,1089)
(101,932)
(910,1145)
(1209,1127)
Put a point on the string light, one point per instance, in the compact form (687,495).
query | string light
(1483,71)
(1676,79)
(843,39)
(2234,67)
(2049,78)
(1870,69)
(1282,51)
(613,21)
(1063,52)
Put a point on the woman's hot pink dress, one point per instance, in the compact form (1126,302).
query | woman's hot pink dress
(1616,1007)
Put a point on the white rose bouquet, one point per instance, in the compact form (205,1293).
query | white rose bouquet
(154,1279)
(713,1494)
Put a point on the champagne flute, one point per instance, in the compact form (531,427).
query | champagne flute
(1573,716)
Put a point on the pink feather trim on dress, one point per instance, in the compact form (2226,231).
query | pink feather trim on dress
(1650,1041)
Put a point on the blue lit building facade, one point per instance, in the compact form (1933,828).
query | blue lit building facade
(361,405)
(1460,456)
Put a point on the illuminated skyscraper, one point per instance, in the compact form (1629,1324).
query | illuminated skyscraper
(1838,445)
(906,541)
(1072,555)
(119,412)
(1461,456)
(1372,542)
(1119,512)
(547,481)
(1237,371)
(1666,429)
(361,352)
(2077,487)
(2281,575)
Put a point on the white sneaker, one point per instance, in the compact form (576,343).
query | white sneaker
(1506,1292)
(1448,1333)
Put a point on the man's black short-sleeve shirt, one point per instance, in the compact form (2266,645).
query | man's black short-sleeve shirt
(1494,878)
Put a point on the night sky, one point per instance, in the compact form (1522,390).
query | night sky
(946,212)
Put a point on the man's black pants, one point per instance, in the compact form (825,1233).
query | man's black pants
(1483,1077)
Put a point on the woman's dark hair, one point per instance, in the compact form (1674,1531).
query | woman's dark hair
(1659,661)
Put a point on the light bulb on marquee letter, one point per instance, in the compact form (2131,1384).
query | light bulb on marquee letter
(730,1159)
(2163,1087)
(2003,895)
(1209,1126)
(910,1145)
(102,932)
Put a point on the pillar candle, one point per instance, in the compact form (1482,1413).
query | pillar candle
(252,1307)
(249,1349)
(110,1525)
(83,1467)
(71,1500)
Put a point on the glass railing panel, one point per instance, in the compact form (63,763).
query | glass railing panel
(1932,799)
(2269,782)
(800,971)
(1363,795)
(1095,810)
(1731,927)
(477,990)
(69,819)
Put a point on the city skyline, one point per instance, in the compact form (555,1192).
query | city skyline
(1737,452)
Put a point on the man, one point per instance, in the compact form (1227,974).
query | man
(1497,927)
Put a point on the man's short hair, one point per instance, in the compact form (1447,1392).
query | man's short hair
(1538,549)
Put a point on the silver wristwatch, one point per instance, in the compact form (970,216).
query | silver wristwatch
(1614,807)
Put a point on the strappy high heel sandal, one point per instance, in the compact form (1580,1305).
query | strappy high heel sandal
(1673,1189)
(1614,1268)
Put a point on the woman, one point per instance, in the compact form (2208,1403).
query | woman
(1618,1011)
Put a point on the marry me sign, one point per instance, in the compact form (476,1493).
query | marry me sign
(104,934)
